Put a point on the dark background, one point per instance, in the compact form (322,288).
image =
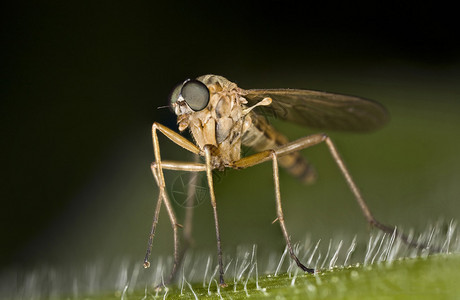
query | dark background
(81,83)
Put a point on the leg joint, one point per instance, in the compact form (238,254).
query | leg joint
(155,126)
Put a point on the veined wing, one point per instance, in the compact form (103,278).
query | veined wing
(320,110)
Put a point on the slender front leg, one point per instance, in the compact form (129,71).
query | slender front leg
(154,223)
(163,197)
(157,172)
(193,168)
(207,152)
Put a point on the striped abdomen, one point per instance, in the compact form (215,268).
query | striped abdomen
(262,136)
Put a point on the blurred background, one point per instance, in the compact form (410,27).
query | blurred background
(82,83)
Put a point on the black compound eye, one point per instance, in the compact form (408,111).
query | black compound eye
(196,94)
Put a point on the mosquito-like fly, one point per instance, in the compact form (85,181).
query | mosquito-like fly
(221,119)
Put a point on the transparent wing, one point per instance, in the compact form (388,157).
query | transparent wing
(320,110)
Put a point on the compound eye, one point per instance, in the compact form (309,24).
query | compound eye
(175,94)
(196,94)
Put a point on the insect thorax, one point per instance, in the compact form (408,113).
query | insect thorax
(220,124)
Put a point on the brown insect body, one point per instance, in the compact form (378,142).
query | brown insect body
(227,123)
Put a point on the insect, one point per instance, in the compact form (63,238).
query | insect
(221,119)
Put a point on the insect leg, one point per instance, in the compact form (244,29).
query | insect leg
(315,139)
(181,166)
(257,159)
(207,151)
(157,172)
(154,224)
(280,215)
(192,167)
(363,205)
